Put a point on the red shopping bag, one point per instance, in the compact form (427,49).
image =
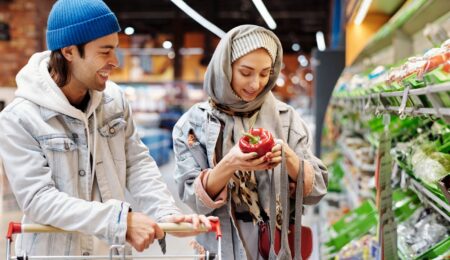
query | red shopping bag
(264,240)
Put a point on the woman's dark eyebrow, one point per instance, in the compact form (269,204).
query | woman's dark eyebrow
(248,67)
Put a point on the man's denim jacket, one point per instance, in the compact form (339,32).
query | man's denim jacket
(47,148)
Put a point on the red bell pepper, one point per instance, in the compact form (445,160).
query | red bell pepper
(257,140)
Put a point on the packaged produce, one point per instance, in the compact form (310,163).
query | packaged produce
(421,232)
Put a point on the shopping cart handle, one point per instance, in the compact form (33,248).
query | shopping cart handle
(181,227)
(13,228)
(215,226)
(189,227)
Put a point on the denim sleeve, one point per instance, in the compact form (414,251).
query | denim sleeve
(191,161)
(144,180)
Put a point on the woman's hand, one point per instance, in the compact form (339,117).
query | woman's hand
(196,220)
(273,158)
(293,165)
(238,160)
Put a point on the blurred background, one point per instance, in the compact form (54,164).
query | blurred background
(352,52)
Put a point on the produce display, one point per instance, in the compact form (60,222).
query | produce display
(433,67)
(420,232)
(409,102)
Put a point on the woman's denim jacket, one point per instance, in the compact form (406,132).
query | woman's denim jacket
(193,159)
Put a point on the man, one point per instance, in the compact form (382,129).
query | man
(70,147)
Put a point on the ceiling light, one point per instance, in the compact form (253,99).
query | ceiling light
(129,30)
(295,80)
(167,44)
(320,41)
(198,18)
(362,11)
(295,47)
(265,14)
(280,82)
(309,76)
(303,60)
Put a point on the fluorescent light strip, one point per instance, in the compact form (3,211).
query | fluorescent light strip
(198,18)
(265,14)
(362,11)
(320,39)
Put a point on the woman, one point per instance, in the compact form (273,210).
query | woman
(213,175)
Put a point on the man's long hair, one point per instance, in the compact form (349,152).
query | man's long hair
(58,66)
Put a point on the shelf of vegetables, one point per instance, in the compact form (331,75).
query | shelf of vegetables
(416,95)
(427,196)
(408,102)
(420,196)
(405,161)
(350,154)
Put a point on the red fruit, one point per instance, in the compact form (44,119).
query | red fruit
(257,140)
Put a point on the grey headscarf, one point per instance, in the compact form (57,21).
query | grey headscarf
(218,74)
(218,86)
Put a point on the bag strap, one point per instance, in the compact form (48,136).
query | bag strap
(299,210)
(285,252)
(273,214)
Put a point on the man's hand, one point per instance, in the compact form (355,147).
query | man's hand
(196,221)
(142,231)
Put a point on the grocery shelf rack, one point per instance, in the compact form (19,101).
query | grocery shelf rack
(376,102)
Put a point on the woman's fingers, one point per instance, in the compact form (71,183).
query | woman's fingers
(205,221)
(195,221)
(275,160)
(252,161)
(249,156)
(277,147)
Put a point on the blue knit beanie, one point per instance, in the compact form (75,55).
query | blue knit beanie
(73,22)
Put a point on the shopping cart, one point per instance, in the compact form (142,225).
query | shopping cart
(15,228)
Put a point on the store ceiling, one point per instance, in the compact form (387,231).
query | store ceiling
(297,20)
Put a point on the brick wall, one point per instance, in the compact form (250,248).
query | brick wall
(27,21)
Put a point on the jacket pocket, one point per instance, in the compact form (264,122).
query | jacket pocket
(113,131)
(62,157)
(112,127)
(58,144)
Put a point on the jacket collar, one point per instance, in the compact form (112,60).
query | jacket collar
(48,113)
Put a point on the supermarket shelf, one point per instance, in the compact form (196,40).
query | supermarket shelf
(428,197)
(353,191)
(372,102)
(431,89)
(323,230)
(352,157)
(409,20)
